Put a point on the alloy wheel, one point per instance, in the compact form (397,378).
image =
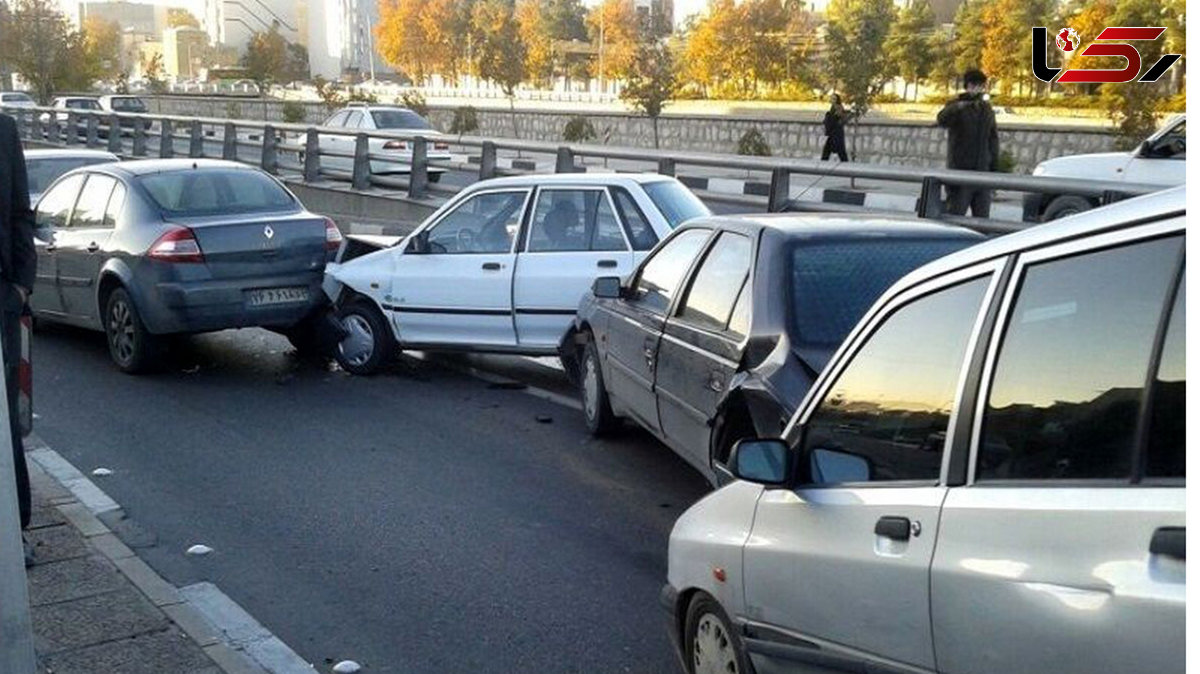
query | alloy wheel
(120,331)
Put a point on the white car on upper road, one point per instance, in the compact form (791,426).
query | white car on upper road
(16,99)
(1158,160)
(503,265)
(354,119)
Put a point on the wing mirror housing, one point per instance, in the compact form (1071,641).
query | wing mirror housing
(608,288)
(766,462)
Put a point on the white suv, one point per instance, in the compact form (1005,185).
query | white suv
(989,477)
(354,119)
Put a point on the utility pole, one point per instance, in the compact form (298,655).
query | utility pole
(16,627)
(371,45)
(601,72)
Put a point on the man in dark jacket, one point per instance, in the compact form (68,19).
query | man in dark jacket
(18,265)
(835,130)
(973,144)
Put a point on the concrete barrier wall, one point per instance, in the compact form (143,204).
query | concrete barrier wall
(901,143)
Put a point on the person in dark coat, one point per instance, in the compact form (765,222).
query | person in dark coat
(835,129)
(18,265)
(972,144)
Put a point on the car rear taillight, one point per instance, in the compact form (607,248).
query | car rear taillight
(395,145)
(441,146)
(333,235)
(177,245)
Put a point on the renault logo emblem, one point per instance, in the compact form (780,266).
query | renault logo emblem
(268,232)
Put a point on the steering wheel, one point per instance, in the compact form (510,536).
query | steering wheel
(465,240)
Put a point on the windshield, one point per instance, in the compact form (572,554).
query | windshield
(128,105)
(43,172)
(216,192)
(675,202)
(399,119)
(834,283)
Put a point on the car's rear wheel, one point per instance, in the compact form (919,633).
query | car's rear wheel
(1067,204)
(368,343)
(132,348)
(596,407)
(711,646)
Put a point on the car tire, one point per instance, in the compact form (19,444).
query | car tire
(369,343)
(710,642)
(132,348)
(1067,204)
(597,409)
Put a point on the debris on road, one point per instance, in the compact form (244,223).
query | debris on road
(199,550)
(545,419)
(102,472)
(347,667)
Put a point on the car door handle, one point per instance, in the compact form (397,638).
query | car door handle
(648,351)
(93,247)
(491,266)
(1169,542)
(895,528)
(607,264)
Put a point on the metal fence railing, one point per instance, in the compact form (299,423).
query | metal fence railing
(313,154)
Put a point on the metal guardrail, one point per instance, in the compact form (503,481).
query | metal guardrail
(297,148)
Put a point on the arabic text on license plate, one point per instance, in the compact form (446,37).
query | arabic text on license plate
(268,296)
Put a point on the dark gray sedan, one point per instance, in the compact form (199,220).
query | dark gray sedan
(146,249)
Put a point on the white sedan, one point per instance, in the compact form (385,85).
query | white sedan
(502,266)
(363,118)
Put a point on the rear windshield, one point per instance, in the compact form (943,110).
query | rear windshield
(835,283)
(82,104)
(42,172)
(216,192)
(676,202)
(399,119)
(128,105)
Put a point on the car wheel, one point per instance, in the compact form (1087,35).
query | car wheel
(711,646)
(368,343)
(1068,204)
(131,346)
(596,407)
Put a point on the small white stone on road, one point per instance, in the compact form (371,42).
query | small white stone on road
(102,472)
(347,667)
(198,550)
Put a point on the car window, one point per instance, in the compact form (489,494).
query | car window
(1165,456)
(1072,365)
(709,301)
(483,223)
(399,119)
(676,202)
(115,203)
(216,192)
(44,171)
(739,320)
(1173,143)
(885,417)
(128,105)
(338,119)
(353,119)
(640,233)
(93,201)
(82,104)
(574,220)
(55,207)
(660,275)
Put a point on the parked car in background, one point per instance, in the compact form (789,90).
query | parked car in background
(150,248)
(16,99)
(723,329)
(1159,160)
(124,103)
(45,166)
(502,266)
(357,118)
(992,464)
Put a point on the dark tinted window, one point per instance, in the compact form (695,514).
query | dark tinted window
(55,207)
(1072,366)
(835,283)
(399,119)
(43,171)
(1168,409)
(128,105)
(641,234)
(216,192)
(93,201)
(885,417)
(660,276)
(718,281)
(676,202)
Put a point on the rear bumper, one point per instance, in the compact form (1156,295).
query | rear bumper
(205,306)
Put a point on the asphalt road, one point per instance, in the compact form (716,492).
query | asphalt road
(418,521)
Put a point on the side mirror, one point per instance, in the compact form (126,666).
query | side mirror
(766,462)
(607,287)
(830,466)
(45,233)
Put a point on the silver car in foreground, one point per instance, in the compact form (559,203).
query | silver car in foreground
(989,476)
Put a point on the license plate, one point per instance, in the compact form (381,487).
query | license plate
(264,297)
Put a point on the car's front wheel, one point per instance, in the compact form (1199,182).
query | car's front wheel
(131,346)
(1065,205)
(711,646)
(368,342)
(596,407)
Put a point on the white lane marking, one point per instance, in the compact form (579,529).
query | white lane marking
(80,486)
(242,632)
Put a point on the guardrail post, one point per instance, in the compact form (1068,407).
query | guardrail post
(139,138)
(166,139)
(361,178)
(929,204)
(52,132)
(487,160)
(114,133)
(93,131)
(312,156)
(72,133)
(781,187)
(270,150)
(418,175)
(565,161)
(666,166)
(229,146)
(196,140)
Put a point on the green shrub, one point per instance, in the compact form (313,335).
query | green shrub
(1007,162)
(754,144)
(360,96)
(294,112)
(887,98)
(466,120)
(579,129)
(415,101)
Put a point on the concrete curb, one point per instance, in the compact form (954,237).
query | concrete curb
(226,633)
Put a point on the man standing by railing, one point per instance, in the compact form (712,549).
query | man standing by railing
(973,144)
